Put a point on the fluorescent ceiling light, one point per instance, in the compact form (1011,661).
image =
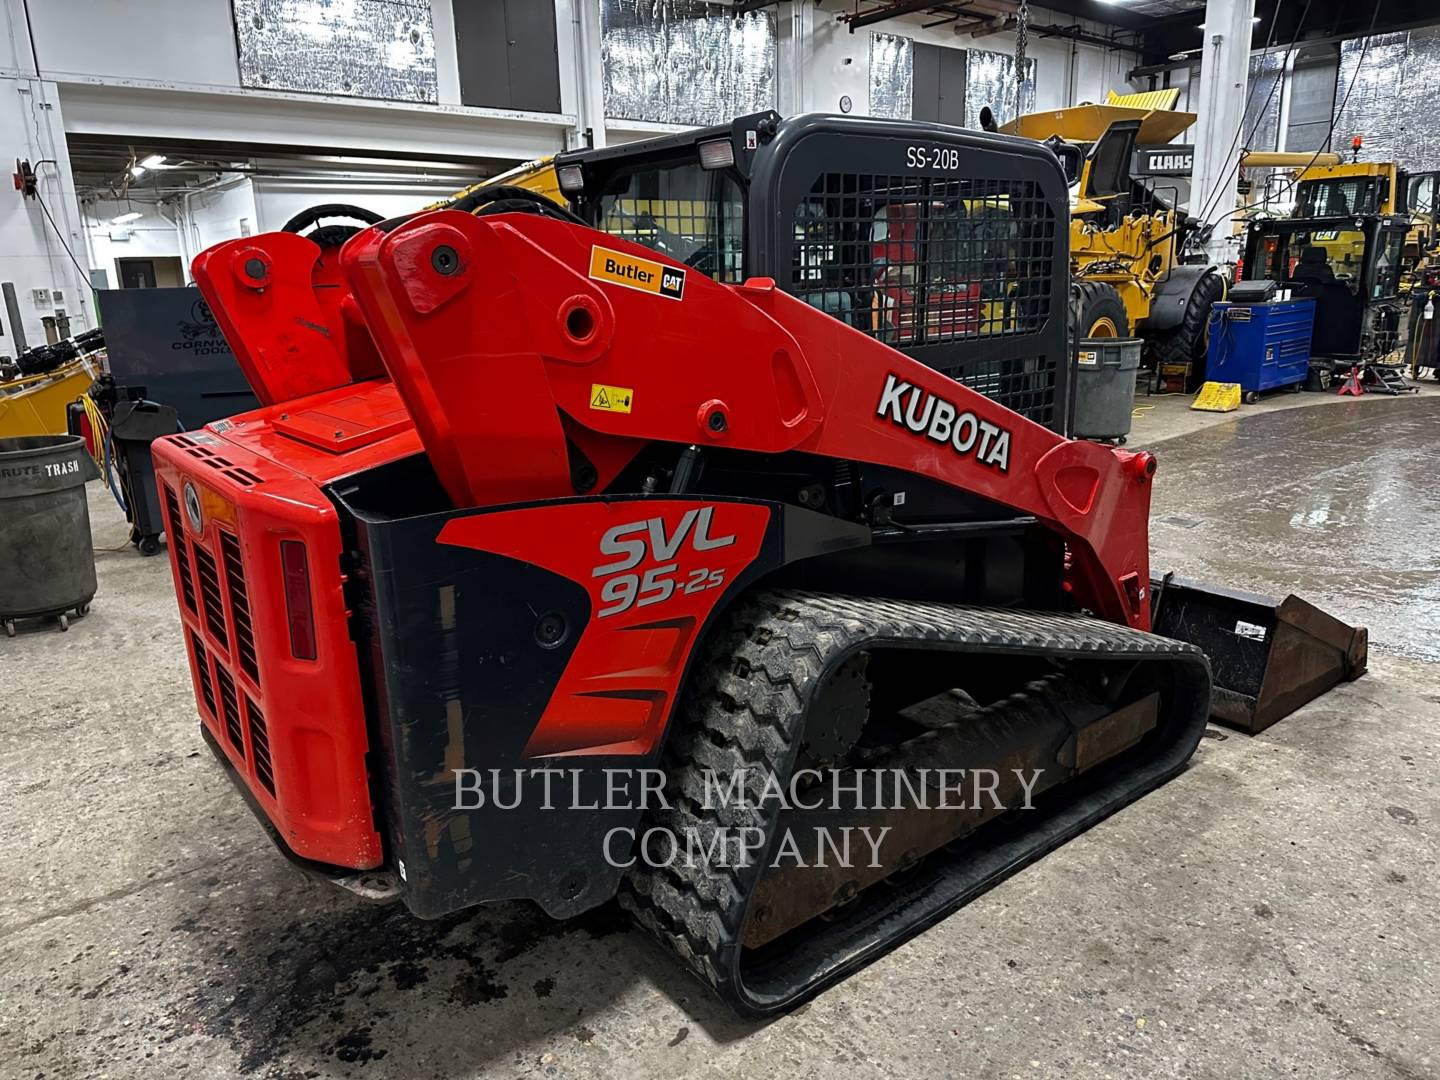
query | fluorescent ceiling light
(138,171)
(1201,26)
(154,161)
(133,215)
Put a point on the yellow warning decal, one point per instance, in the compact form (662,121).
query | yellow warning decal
(611,398)
(620,269)
(1217,397)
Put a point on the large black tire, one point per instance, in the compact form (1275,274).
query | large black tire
(1187,343)
(1096,310)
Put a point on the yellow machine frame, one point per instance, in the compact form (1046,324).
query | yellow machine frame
(537,176)
(35,404)
(1141,249)
(1385,170)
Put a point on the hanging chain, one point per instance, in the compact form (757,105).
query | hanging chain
(1022,38)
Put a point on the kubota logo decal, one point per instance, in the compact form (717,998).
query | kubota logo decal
(620,269)
(923,413)
(639,541)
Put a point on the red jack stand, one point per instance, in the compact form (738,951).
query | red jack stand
(1352,386)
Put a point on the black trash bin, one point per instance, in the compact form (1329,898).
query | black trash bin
(134,425)
(1105,372)
(47,564)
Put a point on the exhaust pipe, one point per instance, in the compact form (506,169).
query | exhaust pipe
(1267,658)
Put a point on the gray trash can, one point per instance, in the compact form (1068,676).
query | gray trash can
(1105,373)
(47,564)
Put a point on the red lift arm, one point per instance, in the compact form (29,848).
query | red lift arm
(506,334)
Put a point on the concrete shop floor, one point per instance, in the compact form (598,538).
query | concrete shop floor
(1271,912)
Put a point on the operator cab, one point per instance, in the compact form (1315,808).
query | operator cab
(946,244)
(1341,196)
(1352,266)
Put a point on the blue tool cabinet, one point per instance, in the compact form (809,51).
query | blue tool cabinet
(1260,346)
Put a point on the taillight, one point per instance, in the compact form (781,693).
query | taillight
(295,568)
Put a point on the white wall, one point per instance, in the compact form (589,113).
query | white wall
(32,252)
(234,203)
(219,213)
(167,69)
(180,226)
(837,62)
(177,41)
(149,237)
(180,41)
(276,201)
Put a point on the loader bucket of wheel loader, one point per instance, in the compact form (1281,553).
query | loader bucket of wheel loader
(1268,658)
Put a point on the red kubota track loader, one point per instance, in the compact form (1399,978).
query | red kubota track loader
(528,499)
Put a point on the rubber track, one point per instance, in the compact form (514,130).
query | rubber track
(746,707)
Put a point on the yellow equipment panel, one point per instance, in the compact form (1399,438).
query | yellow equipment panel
(35,405)
(1217,397)
(1086,123)
(1150,99)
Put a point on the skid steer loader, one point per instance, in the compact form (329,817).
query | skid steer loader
(553,569)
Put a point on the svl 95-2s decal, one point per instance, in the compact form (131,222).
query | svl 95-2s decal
(637,541)
(653,571)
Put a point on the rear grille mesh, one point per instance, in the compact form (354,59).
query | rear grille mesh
(220,630)
(260,745)
(210,595)
(239,605)
(231,708)
(202,666)
(175,533)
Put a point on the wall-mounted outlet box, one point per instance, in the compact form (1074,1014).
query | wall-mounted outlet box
(57,296)
(42,297)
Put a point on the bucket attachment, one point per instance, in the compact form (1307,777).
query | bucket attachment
(1268,659)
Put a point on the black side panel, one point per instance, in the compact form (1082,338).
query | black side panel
(507,55)
(462,684)
(458,678)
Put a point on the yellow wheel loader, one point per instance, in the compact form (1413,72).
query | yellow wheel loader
(1129,276)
